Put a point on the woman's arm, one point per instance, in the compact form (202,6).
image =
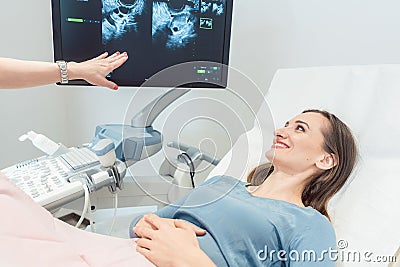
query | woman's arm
(170,245)
(314,246)
(21,74)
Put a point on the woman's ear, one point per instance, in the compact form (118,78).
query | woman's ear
(327,162)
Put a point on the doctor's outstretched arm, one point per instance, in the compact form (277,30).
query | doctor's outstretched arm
(167,245)
(22,74)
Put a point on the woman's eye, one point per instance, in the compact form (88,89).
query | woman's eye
(300,128)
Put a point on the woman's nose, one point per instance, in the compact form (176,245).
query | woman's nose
(280,133)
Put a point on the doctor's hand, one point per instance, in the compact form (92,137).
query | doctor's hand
(170,245)
(145,223)
(96,69)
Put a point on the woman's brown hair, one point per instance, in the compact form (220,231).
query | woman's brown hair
(320,188)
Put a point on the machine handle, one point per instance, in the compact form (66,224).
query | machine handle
(194,153)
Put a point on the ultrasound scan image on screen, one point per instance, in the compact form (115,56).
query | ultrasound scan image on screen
(121,19)
(157,34)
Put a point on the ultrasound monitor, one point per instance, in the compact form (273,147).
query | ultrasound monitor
(157,34)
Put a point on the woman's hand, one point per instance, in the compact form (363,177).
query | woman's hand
(143,223)
(96,69)
(170,245)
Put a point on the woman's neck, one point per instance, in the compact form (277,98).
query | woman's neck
(282,186)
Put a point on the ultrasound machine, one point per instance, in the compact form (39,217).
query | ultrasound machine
(191,38)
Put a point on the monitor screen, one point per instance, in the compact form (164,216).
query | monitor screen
(157,34)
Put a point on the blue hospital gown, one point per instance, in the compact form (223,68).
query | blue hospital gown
(245,230)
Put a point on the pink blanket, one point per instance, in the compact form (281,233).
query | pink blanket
(31,236)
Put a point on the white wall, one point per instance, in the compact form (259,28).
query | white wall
(266,35)
(26,34)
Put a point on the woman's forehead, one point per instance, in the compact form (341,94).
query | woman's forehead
(313,119)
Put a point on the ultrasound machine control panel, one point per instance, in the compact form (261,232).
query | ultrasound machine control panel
(55,181)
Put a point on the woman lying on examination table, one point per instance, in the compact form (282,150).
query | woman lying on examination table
(21,74)
(312,157)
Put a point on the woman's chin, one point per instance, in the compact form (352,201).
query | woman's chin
(270,154)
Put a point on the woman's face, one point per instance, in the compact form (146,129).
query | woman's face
(299,144)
